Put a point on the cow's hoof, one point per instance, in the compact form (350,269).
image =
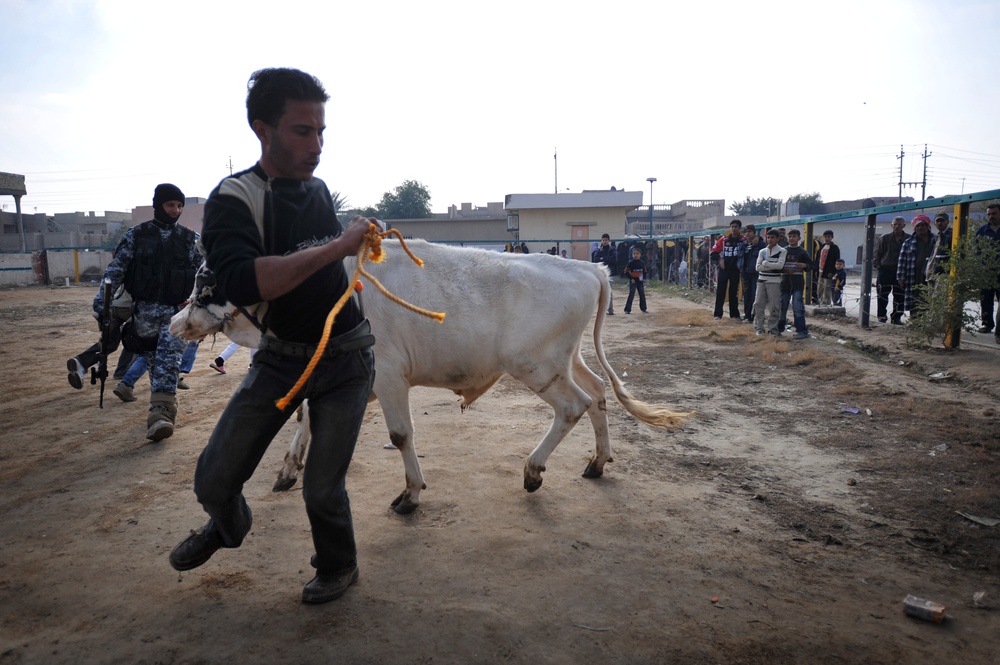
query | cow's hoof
(403,505)
(532,485)
(592,471)
(283,484)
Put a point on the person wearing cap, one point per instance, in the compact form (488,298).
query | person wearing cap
(156,262)
(938,264)
(826,265)
(912,269)
(991,229)
(885,261)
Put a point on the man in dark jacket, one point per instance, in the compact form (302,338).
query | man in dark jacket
(793,284)
(726,252)
(608,255)
(272,235)
(829,254)
(747,263)
(885,259)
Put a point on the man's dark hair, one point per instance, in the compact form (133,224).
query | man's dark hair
(605,235)
(737,222)
(269,89)
(751,227)
(794,232)
(772,232)
(993,205)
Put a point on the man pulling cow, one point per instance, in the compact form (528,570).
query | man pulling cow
(271,235)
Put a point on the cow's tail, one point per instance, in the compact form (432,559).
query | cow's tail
(651,414)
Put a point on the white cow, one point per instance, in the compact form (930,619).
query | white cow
(522,315)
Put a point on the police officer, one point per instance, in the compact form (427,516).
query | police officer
(156,261)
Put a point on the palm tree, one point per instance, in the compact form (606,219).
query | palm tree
(339,202)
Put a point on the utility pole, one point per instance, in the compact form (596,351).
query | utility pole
(230,165)
(923,191)
(899,198)
(908,184)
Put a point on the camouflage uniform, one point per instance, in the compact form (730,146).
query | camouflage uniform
(177,249)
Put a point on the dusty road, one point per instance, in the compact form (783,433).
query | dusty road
(784,524)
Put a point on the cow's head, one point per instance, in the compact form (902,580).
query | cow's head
(206,312)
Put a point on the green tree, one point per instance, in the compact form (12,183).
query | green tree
(339,202)
(764,206)
(411,200)
(974,265)
(809,204)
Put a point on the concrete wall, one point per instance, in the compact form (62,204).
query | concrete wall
(192,217)
(17,270)
(78,265)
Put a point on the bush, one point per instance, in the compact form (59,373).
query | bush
(973,266)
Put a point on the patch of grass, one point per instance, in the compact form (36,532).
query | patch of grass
(812,357)
(693,317)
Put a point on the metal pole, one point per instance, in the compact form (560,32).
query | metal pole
(866,272)
(651,181)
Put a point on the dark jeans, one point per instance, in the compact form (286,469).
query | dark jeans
(798,310)
(986,298)
(729,279)
(749,292)
(886,284)
(633,286)
(338,393)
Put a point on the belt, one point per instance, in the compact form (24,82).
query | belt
(358,338)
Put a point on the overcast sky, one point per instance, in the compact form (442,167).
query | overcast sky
(101,100)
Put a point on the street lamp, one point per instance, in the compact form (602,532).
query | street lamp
(650,181)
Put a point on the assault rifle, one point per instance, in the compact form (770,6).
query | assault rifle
(100,373)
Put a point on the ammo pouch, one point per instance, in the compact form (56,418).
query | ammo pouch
(133,342)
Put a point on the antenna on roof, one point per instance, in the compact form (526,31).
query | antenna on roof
(555,156)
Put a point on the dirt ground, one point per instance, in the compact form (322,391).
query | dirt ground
(816,487)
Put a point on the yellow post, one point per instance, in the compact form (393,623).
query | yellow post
(959,229)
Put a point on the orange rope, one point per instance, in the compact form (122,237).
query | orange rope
(371,248)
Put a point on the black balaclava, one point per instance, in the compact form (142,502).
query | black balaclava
(163,193)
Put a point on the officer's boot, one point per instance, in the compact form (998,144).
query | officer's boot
(162,414)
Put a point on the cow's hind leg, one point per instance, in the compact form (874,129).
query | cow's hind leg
(592,384)
(289,472)
(569,402)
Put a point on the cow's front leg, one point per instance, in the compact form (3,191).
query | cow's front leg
(395,403)
(289,472)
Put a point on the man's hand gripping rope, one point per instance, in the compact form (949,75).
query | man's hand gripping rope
(371,248)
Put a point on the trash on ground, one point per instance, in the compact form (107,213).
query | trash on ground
(940,376)
(985,521)
(841,341)
(869,412)
(850,409)
(922,608)
(941,446)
